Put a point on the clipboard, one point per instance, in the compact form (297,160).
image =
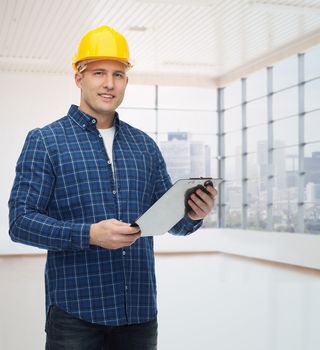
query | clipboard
(171,207)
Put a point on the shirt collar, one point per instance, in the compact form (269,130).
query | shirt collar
(85,121)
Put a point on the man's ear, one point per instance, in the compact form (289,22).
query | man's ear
(78,79)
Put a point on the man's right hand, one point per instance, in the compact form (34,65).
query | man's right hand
(113,234)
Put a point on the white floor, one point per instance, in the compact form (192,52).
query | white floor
(227,303)
(205,302)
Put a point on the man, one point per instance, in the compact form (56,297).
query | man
(80,182)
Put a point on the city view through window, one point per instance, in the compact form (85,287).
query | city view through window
(260,134)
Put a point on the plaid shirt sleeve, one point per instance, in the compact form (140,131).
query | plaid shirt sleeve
(30,196)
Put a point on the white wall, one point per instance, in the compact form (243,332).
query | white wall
(27,101)
(217,301)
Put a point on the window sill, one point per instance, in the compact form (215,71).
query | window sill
(288,248)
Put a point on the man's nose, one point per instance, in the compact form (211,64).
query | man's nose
(108,82)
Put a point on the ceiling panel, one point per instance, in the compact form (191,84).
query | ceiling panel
(201,41)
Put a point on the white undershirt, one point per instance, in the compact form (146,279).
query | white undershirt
(108,136)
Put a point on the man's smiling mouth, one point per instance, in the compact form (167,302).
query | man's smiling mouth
(106,96)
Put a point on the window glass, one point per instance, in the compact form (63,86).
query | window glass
(189,121)
(312,188)
(232,119)
(188,155)
(256,84)
(252,166)
(257,196)
(312,126)
(211,220)
(311,217)
(174,97)
(256,135)
(285,188)
(257,112)
(285,103)
(233,143)
(257,215)
(312,165)
(214,167)
(232,95)
(312,93)
(144,120)
(285,160)
(312,149)
(233,168)
(285,73)
(285,216)
(285,131)
(233,214)
(141,96)
(186,124)
(312,66)
(262,159)
(233,208)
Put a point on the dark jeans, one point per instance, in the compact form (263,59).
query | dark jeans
(65,331)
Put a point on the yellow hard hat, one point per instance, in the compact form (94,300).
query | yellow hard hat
(101,43)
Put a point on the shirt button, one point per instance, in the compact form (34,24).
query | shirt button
(126,287)
(123,252)
(83,125)
(100,135)
(93,121)
(114,191)
(109,161)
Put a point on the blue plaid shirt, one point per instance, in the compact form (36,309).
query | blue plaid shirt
(64,183)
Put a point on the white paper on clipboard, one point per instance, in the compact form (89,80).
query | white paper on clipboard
(170,208)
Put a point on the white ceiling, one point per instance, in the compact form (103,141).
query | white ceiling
(171,41)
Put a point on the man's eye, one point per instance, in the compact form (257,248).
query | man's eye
(98,73)
(119,75)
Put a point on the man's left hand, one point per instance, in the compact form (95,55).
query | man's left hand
(202,203)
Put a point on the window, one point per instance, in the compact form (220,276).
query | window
(183,123)
(285,131)
(232,119)
(232,95)
(282,155)
(285,103)
(257,112)
(175,97)
(312,93)
(142,96)
(285,74)
(312,67)
(257,85)
(311,126)
(282,163)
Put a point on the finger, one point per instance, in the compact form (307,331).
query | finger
(129,230)
(129,239)
(201,198)
(203,195)
(196,209)
(212,190)
(125,228)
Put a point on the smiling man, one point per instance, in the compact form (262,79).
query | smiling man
(80,182)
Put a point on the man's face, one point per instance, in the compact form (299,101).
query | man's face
(102,85)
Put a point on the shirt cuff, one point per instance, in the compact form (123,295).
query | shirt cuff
(191,225)
(79,236)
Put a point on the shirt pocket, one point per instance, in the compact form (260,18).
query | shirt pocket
(135,180)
